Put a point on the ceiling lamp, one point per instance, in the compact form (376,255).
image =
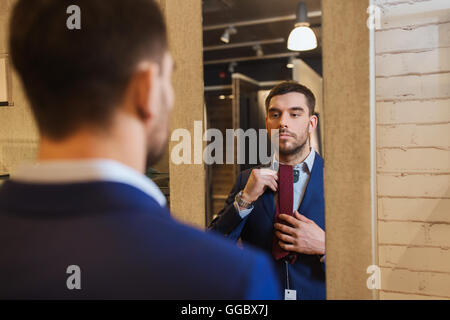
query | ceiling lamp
(290,63)
(232,66)
(302,38)
(227,33)
(258,49)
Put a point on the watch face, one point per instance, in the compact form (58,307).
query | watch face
(241,202)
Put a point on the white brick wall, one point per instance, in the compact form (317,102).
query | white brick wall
(413,148)
(414,209)
(430,160)
(416,282)
(414,136)
(426,112)
(415,234)
(423,62)
(410,13)
(414,87)
(413,39)
(418,258)
(406,185)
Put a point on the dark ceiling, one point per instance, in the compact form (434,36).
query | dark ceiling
(217,12)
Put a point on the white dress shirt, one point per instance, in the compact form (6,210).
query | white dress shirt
(299,186)
(76,171)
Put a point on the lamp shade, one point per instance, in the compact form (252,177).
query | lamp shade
(290,63)
(302,38)
(225,37)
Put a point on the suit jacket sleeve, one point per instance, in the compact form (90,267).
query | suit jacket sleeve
(229,222)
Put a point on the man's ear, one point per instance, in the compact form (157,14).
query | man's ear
(313,123)
(143,90)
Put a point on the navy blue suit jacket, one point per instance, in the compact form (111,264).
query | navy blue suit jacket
(307,274)
(126,245)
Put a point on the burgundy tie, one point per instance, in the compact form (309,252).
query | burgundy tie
(284,205)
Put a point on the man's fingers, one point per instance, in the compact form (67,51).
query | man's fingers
(274,185)
(271,183)
(289,219)
(286,246)
(284,237)
(285,229)
(268,173)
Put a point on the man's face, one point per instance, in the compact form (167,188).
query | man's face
(163,99)
(290,114)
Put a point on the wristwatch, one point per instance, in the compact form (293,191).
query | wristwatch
(241,202)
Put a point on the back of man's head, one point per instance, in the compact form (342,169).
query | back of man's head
(76,77)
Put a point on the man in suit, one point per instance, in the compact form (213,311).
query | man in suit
(249,212)
(84,222)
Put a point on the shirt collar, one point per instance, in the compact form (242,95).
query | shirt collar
(309,160)
(76,171)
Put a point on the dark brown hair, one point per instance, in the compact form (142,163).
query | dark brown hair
(77,77)
(292,86)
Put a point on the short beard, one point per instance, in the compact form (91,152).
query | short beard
(154,152)
(154,156)
(297,149)
(294,150)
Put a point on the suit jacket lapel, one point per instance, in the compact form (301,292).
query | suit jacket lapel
(268,200)
(269,203)
(314,190)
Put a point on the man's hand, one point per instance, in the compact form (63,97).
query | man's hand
(303,236)
(258,182)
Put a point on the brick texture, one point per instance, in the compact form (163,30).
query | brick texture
(413,144)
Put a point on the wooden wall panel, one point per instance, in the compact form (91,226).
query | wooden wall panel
(187,181)
(347,148)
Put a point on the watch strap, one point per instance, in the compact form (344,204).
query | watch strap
(241,202)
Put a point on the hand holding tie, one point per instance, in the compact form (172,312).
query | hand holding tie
(301,235)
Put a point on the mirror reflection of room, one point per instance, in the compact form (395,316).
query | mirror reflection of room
(263,70)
